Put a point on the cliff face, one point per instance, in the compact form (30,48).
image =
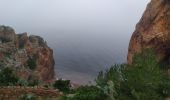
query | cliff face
(29,56)
(153,31)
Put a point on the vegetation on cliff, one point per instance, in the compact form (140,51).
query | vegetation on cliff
(144,79)
(28,56)
(8,77)
(25,61)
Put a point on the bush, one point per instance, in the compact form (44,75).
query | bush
(62,85)
(142,80)
(89,93)
(32,62)
(28,97)
(48,85)
(22,82)
(85,93)
(8,77)
(7,54)
(2,64)
(34,82)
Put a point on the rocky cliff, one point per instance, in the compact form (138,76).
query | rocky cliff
(29,56)
(153,31)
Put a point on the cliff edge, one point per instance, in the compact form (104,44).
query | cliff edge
(153,31)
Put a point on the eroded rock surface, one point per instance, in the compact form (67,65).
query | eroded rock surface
(153,31)
(29,56)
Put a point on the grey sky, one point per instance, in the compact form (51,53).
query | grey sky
(70,14)
(71,20)
(86,35)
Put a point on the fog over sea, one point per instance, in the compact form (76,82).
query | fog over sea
(87,36)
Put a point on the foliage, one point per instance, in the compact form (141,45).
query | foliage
(85,93)
(62,85)
(8,77)
(8,54)
(89,93)
(1,64)
(22,82)
(28,97)
(64,98)
(113,74)
(48,85)
(33,81)
(142,80)
(32,62)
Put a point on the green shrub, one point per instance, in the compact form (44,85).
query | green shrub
(34,83)
(62,85)
(85,93)
(89,93)
(8,77)
(7,54)
(64,98)
(1,64)
(28,97)
(142,80)
(49,85)
(31,62)
(22,82)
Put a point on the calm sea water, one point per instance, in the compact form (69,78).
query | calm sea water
(80,58)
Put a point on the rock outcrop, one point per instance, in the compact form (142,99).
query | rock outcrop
(7,34)
(153,31)
(29,56)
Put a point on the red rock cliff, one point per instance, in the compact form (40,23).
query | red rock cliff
(153,31)
(29,56)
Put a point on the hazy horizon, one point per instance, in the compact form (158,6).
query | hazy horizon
(86,35)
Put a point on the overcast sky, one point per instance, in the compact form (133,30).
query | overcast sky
(84,34)
(34,15)
(71,21)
